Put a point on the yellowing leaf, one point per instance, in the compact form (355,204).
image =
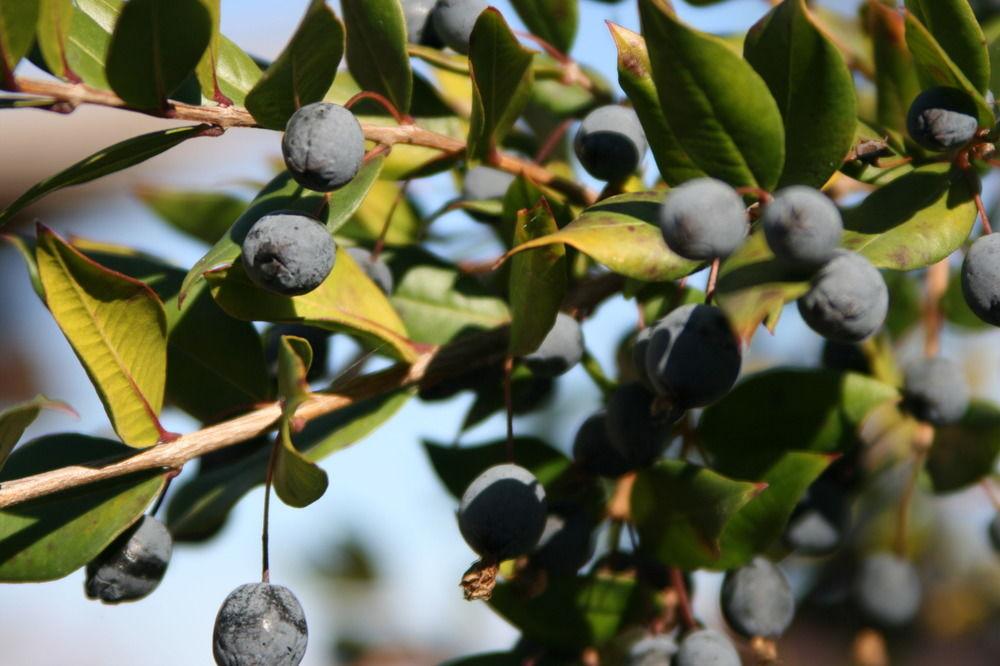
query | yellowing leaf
(117,328)
(346,301)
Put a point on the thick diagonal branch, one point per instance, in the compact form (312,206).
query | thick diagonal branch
(70,95)
(430,368)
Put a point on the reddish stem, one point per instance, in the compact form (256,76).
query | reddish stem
(551,50)
(987,227)
(713,278)
(265,575)
(687,614)
(376,151)
(545,151)
(508,368)
(401,118)
(380,243)
(170,475)
(762,195)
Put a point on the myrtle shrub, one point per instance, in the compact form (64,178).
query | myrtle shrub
(832,161)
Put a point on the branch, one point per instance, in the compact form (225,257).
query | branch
(72,95)
(429,368)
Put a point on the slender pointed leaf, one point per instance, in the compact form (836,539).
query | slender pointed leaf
(89,36)
(303,71)
(118,329)
(201,214)
(813,87)
(719,108)
(895,73)
(106,161)
(376,49)
(501,77)
(635,77)
(953,24)
(538,281)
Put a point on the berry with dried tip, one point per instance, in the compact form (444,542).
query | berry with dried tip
(638,429)
(454,21)
(288,253)
(610,143)
(593,451)
(981,278)
(693,358)
(567,542)
(323,146)
(260,624)
(560,350)
(757,599)
(848,300)
(802,226)
(502,513)
(818,524)
(376,269)
(483,182)
(706,647)
(132,565)
(703,219)
(942,118)
(887,589)
(935,390)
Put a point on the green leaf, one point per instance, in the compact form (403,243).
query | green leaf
(760,523)
(813,87)
(215,364)
(621,233)
(155,45)
(118,329)
(954,26)
(777,411)
(203,215)
(347,301)
(15,420)
(282,193)
(681,511)
(501,83)
(936,67)
(54,19)
(17,30)
(754,286)
(236,73)
(966,452)
(106,161)
(55,535)
(555,21)
(538,281)
(385,200)
(718,107)
(992,33)
(206,70)
(437,302)
(914,221)
(303,72)
(634,75)
(27,251)
(200,506)
(457,466)
(346,201)
(895,74)
(89,36)
(297,481)
(572,612)
(376,49)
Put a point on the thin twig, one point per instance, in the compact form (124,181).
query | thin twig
(265,534)
(713,278)
(508,402)
(684,602)
(226,117)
